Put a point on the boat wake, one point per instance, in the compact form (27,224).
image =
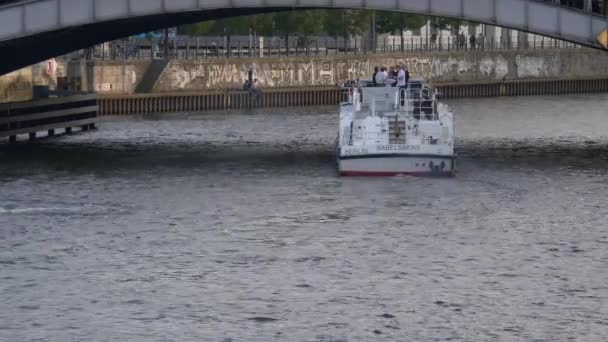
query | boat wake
(13,210)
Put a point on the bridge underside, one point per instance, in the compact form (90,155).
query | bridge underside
(35,30)
(21,52)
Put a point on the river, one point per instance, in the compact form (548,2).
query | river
(235,227)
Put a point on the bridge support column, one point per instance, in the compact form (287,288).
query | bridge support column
(68,130)
(32,136)
(588,5)
(51,132)
(85,128)
(12,139)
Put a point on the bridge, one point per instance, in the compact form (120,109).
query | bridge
(35,30)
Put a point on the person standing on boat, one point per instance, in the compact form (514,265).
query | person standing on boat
(403,78)
(381,77)
(376,71)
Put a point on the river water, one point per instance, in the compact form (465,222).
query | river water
(235,227)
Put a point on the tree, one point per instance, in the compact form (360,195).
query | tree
(198,29)
(302,23)
(346,23)
(395,21)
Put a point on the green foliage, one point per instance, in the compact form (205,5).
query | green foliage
(346,22)
(394,21)
(301,23)
(451,24)
(262,24)
(198,29)
(336,23)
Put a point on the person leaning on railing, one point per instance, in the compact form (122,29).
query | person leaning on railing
(381,77)
(376,71)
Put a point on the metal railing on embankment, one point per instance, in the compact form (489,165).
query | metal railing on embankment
(196,48)
(231,100)
(277,98)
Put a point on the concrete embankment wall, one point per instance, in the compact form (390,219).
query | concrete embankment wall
(114,77)
(468,67)
(446,67)
(187,76)
(18,85)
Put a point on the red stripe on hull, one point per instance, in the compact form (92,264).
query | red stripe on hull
(393,174)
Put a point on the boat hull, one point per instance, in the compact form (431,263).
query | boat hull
(396,164)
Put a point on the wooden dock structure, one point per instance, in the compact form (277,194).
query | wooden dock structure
(48,115)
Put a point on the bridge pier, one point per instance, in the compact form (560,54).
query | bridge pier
(51,132)
(32,136)
(12,139)
(68,130)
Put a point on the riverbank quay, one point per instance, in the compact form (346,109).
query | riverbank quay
(325,96)
(181,75)
(127,77)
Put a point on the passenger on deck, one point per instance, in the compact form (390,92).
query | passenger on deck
(394,74)
(403,78)
(380,78)
(376,71)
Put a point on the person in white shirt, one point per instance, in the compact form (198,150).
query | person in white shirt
(403,78)
(381,77)
(386,76)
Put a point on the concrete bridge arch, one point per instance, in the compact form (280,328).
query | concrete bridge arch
(35,30)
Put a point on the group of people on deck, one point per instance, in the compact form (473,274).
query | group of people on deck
(398,77)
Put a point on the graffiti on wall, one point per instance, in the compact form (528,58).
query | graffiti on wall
(288,73)
(294,72)
(115,79)
(16,86)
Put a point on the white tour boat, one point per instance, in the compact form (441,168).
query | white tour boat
(385,131)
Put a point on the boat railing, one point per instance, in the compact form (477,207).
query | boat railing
(354,95)
(348,139)
(421,103)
